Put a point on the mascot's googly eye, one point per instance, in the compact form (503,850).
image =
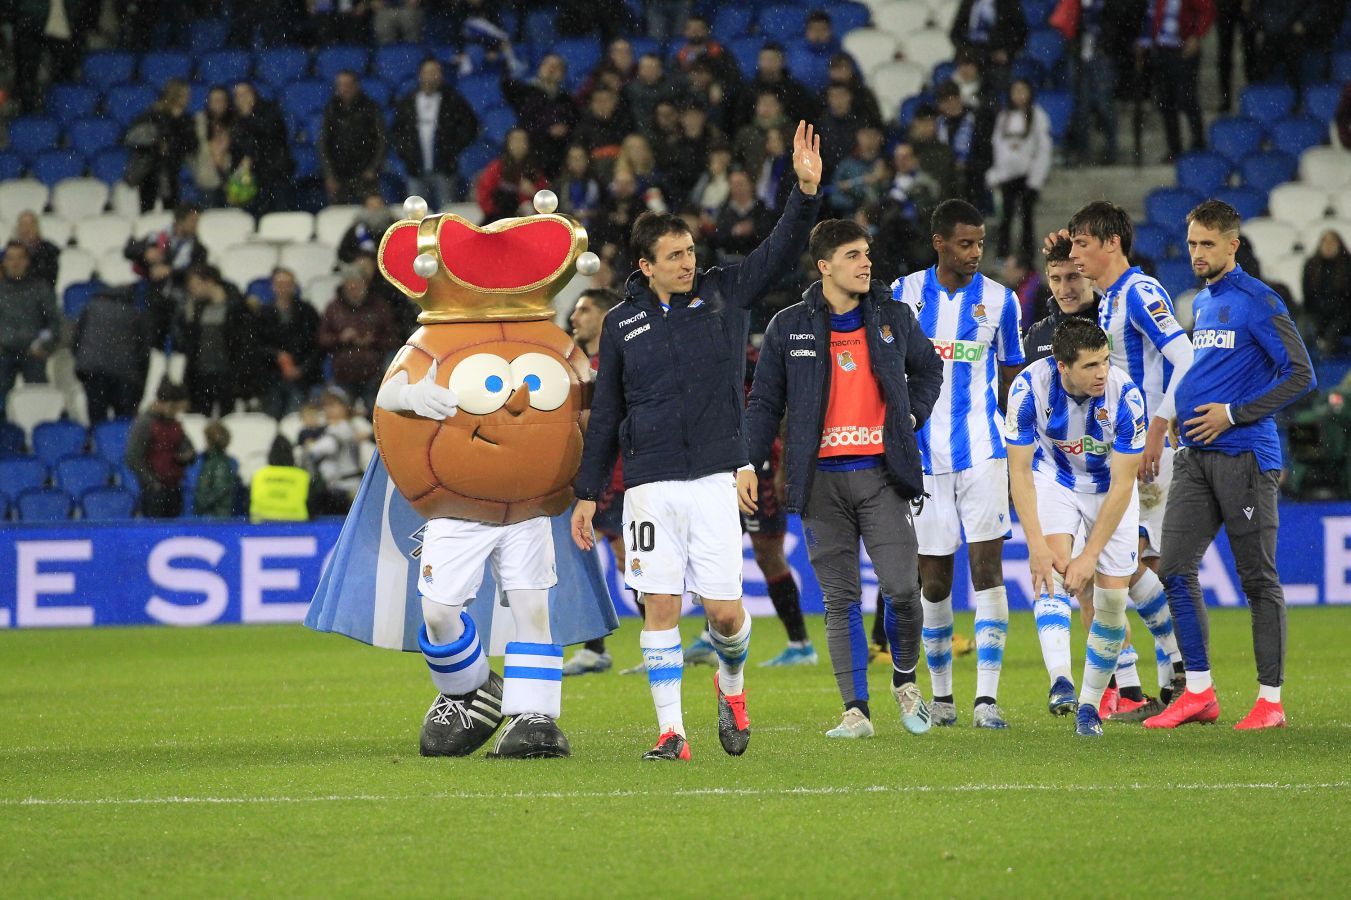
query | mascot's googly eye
(483,382)
(545,376)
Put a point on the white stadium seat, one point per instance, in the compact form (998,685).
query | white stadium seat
(1297,203)
(28,404)
(1270,239)
(942,13)
(73,266)
(290,426)
(319,292)
(1327,167)
(101,233)
(1289,271)
(901,17)
(250,433)
(308,261)
(926,48)
(150,223)
(75,198)
(1314,231)
(21,195)
(332,223)
(243,263)
(53,228)
(218,229)
(126,200)
(1341,203)
(194,426)
(894,82)
(870,47)
(115,269)
(281,227)
(470,212)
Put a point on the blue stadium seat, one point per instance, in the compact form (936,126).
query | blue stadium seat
(89,136)
(1037,11)
(311,129)
(746,52)
(1249,202)
(541,25)
(1236,138)
(159,66)
(1341,65)
(44,505)
(475,158)
(808,66)
(1029,70)
(127,101)
(942,72)
(11,166)
(495,124)
(1320,101)
(68,102)
(102,69)
(19,474)
(54,165)
(732,21)
(909,106)
(846,15)
(262,289)
(307,160)
(106,503)
(127,480)
(1045,46)
(1266,170)
(207,34)
(224,66)
(782,22)
(281,65)
(11,440)
(396,63)
(1150,241)
(379,91)
(109,165)
(1297,134)
(1203,172)
(31,136)
(1168,207)
(1059,106)
(1176,275)
(77,474)
(482,92)
(582,54)
(53,440)
(110,440)
(1267,102)
(299,99)
(329,61)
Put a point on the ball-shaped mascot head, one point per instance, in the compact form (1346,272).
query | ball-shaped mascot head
(512,449)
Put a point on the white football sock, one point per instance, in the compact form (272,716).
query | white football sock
(732,652)
(1127,675)
(665,661)
(1199,681)
(1105,638)
(937,635)
(1052,614)
(1151,602)
(1269,693)
(992,629)
(532,679)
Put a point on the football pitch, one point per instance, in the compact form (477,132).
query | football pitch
(273,761)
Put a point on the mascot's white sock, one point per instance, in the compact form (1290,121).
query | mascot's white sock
(450,645)
(532,672)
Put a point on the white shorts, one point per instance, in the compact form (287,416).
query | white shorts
(1063,511)
(1153,499)
(974,501)
(684,536)
(454,551)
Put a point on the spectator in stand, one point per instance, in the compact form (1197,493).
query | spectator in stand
(935,157)
(369,226)
(544,109)
(966,75)
(272,24)
(772,75)
(260,146)
(743,222)
(957,127)
(1170,42)
(217,487)
(30,322)
(1022,162)
(838,128)
(403,312)
(685,160)
(748,147)
(357,333)
(995,30)
(773,182)
(333,455)
(1024,280)
(712,95)
(578,191)
(711,190)
(903,239)
(60,30)
(112,352)
(699,45)
(619,208)
(212,163)
(432,127)
(635,154)
(1290,30)
(1099,35)
(161,140)
(603,127)
(666,18)
(177,247)
(843,71)
(608,18)
(218,334)
(352,141)
(340,21)
(1233,18)
(860,178)
(288,331)
(44,257)
(821,46)
(159,452)
(615,70)
(509,182)
(663,135)
(397,21)
(1327,293)
(649,87)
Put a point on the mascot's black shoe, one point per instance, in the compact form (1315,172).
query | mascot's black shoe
(459,725)
(531,736)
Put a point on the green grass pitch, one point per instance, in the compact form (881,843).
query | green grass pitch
(248,761)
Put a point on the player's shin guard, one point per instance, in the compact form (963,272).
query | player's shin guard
(665,661)
(937,636)
(1151,602)
(992,629)
(457,667)
(1105,638)
(532,676)
(732,651)
(1052,613)
(1127,675)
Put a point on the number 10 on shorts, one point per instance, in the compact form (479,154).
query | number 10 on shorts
(642,537)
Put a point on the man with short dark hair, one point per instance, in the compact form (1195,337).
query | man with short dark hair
(351,141)
(432,126)
(1250,363)
(30,322)
(668,396)
(159,452)
(1074,296)
(856,375)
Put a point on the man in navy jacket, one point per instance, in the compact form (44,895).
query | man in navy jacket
(856,375)
(668,397)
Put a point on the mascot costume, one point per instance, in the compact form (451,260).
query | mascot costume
(478,424)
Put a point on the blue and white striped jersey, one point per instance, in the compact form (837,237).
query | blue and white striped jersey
(970,330)
(1137,314)
(1075,439)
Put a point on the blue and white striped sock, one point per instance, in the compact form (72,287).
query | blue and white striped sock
(1151,602)
(937,636)
(1105,638)
(1127,676)
(1052,613)
(458,667)
(532,679)
(1164,666)
(992,629)
(665,661)
(732,652)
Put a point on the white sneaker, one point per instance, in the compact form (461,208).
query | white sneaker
(853,724)
(914,712)
(586,660)
(988,715)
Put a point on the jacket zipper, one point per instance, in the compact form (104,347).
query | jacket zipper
(822,357)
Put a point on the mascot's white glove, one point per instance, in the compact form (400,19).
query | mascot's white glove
(426,398)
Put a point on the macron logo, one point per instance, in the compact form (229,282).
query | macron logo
(637,331)
(801,337)
(631,319)
(1248,511)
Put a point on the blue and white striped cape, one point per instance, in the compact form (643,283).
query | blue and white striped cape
(368,590)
